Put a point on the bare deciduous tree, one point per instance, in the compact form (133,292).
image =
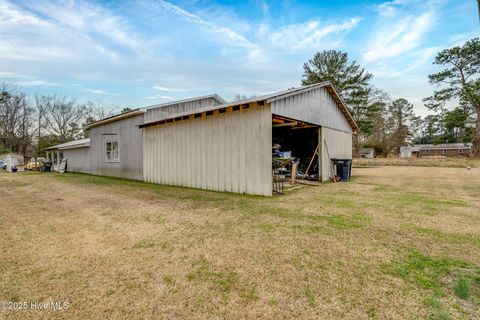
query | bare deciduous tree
(62,117)
(16,117)
(99,110)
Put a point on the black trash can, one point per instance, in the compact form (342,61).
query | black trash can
(344,168)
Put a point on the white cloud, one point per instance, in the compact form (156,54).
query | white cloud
(308,35)
(96,91)
(36,83)
(44,52)
(287,38)
(265,8)
(223,32)
(158,96)
(61,31)
(99,92)
(137,45)
(389,69)
(401,28)
(161,88)
(391,8)
(257,55)
(87,18)
(402,36)
(8,74)
(12,15)
(400,49)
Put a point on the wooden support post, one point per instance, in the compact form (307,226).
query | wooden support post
(294,173)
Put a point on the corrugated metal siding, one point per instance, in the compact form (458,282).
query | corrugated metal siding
(225,152)
(130,147)
(339,146)
(314,106)
(157,113)
(78,159)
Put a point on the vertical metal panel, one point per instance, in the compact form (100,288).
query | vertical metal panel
(162,111)
(313,106)
(339,145)
(130,147)
(223,152)
(78,159)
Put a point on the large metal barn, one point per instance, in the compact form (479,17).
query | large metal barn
(228,147)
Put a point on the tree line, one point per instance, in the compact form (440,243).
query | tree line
(386,124)
(43,120)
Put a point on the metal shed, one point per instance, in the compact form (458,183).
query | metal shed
(229,147)
(76,153)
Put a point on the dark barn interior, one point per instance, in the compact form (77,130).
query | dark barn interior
(294,141)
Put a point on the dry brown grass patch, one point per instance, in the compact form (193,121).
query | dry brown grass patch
(123,249)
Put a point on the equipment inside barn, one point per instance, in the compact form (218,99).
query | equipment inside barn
(295,145)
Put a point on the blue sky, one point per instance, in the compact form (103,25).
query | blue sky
(139,53)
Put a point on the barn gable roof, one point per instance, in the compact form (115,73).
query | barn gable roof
(268,98)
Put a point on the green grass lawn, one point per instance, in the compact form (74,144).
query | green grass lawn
(396,242)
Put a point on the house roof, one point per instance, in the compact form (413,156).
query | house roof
(444,146)
(409,148)
(138,111)
(83,143)
(441,146)
(114,118)
(268,98)
(213,96)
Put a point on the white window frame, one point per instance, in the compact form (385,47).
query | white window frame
(114,154)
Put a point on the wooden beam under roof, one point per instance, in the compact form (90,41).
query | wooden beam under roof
(280,121)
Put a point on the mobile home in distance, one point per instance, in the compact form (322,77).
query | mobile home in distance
(436,150)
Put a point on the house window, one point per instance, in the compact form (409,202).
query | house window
(460,151)
(112,153)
